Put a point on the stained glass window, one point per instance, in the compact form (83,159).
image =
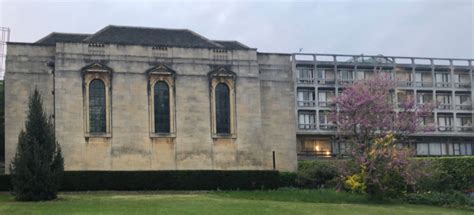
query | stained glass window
(222,109)
(162,107)
(97,106)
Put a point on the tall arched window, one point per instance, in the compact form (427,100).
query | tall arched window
(97,105)
(222,109)
(162,107)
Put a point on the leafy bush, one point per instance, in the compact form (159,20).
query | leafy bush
(165,180)
(448,173)
(316,174)
(450,198)
(38,165)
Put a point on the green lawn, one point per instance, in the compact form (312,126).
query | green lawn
(286,201)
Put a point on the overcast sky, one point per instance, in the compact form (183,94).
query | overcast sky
(391,27)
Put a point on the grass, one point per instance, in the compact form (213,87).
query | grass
(283,201)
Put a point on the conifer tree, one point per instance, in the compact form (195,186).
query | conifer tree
(38,164)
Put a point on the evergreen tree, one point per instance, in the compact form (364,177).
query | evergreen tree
(38,164)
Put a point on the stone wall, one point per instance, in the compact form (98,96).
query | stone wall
(26,69)
(278,110)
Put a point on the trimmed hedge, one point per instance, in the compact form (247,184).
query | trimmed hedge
(450,173)
(163,180)
(5,184)
(288,179)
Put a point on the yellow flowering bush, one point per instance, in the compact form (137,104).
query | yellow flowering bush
(355,183)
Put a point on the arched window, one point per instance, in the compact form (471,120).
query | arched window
(222,109)
(162,107)
(97,105)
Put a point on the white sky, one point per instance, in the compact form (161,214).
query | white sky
(429,28)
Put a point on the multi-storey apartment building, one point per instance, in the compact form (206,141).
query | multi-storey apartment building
(449,82)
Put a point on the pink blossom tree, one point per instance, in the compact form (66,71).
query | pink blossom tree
(376,131)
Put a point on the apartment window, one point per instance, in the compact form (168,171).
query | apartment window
(464,122)
(462,80)
(97,106)
(324,122)
(404,77)
(161,101)
(423,79)
(306,97)
(444,101)
(445,122)
(307,120)
(316,147)
(346,75)
(424,98)
(162,107)
(326,76)
(321,74)
(439,149)
(364,74)
(442,79)
(463,149)
(305,75)
(422,149)
(325,98)
(463,102)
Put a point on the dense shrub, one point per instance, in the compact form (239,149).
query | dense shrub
(38,165)
(316,174)
(449,173)
(166,180)
(448,198)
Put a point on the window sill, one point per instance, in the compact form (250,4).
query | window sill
(224,136)
(98,135)
(162,135)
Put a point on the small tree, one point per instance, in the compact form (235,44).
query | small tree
(38,163)
(377,135)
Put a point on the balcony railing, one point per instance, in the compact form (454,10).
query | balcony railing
(443,84)
(462,85)
(445,106)
(307,103)
(326,81)
(423,84)
(325,103)
(464,107)
(445,128)
(404,83)
(465,128)
(307,126)
(346,81)
(305,80)
(425,104)
(327,126)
